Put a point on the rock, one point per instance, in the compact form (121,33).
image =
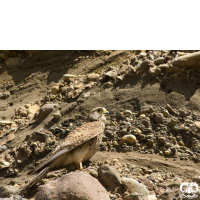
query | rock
(109,177)
(87,94)
(163,66)
(144,66)
(142,55)
(123,69)
(93,77)
(169,108)
(148,109)
(55,90)
(158,117)
(8,190)
(162,140)
(77,186)
(128,112)
(13,61)
(167,152)
(3,56)
(197,124)
(150,143)
(3,147)
(152,197)
(166,113)
(92,172)
(152,70)
(182,113)
(134,186)
(57,115)
(190,60)
(45,110)
(146,123)
(111,74)
(64,90)
(171,123)
(169,194)
(33,109)
(147,182)
(4,95)
(131,139)
(159,61)
(66,77)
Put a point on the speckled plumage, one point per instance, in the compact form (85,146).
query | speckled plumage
(80,145)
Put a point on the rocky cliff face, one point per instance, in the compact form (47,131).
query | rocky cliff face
(152,97)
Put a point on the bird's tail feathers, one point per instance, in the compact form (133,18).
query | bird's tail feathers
(37,178)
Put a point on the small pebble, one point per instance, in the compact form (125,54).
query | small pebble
(93,77)
(54,89)
(66,77)
(131,139)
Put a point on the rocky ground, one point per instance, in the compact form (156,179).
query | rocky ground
(151,143)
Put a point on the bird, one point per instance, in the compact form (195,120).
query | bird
(79,146)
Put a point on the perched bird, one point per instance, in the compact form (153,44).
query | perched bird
(80,145)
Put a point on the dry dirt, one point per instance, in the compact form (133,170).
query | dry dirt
(43,69)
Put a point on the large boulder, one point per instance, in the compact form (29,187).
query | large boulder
(74,185)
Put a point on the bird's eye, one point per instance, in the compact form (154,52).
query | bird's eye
(99,110)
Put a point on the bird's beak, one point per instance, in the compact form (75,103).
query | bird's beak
(106,113)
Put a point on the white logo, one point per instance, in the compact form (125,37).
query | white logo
(188,190)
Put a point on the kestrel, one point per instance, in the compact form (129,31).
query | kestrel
(80,145)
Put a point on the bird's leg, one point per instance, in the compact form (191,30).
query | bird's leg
(79,166)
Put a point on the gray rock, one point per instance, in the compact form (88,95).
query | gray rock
(111,74)
(44,111)
(8,190)
(134,186)
(3,147)
(190,60)
(77,186)
(66,77)
(109,177)
(159,61)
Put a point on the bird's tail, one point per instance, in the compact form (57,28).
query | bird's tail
(37,178)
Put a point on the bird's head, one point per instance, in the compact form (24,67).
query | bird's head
(97,114)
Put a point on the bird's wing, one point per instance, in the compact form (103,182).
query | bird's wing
(77,137)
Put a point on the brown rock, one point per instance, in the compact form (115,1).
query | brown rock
(159,117)
(77,186)
(109,177)
(169,108)
(13,61)
(197,124)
